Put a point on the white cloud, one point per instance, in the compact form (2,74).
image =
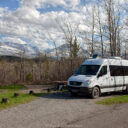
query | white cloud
(27,13)
(29,23)
(83,27)
(13,40)
(34,26)
(43,3)
(3,11)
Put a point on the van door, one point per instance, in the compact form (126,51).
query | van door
(116,77)
(103,78)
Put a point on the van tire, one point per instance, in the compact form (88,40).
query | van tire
(95,92)
(126,91)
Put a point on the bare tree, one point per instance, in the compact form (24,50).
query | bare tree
(101,30)
(93,30)
(113,25)
(57,57)
(22,65)
(70,32)
(89,34)
(40,57)
(54,44)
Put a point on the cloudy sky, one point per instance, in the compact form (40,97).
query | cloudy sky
(32,21)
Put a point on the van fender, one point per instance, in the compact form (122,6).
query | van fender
(97,85)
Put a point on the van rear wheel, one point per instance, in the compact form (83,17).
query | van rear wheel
(95,92)
(126,91)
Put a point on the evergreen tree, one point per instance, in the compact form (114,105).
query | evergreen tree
(76,48)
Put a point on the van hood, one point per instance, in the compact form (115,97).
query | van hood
(81,78)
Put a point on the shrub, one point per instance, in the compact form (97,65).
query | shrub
(29,78)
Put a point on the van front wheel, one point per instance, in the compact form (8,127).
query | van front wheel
(95,92)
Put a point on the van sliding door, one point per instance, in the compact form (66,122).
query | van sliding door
(116,77)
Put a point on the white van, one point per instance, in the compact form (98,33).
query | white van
(96,76)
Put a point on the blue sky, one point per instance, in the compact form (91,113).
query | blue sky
(11,4)
(14,4)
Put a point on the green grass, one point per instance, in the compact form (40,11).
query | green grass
(21,99)
(8,92)
(11,87)
(114,100)
(14,101)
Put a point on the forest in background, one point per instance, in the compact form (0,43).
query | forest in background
(43,70)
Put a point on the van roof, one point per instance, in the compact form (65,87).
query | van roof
(94,61)
(100,61)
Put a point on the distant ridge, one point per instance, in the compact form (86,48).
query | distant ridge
(18,59)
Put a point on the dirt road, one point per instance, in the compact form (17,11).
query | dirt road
(63,111)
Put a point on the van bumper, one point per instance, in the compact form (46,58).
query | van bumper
(84,90)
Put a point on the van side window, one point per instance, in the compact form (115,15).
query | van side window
(125,68)
(117,70)
(103,70)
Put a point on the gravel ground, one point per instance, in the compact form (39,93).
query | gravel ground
(60,110)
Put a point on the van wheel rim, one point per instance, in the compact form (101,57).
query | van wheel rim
(96,92)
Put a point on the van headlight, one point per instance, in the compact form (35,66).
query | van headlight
(88,82)
(82,84)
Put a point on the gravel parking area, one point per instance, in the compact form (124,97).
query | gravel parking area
(60,110)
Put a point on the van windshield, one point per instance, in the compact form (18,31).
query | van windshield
(87,70)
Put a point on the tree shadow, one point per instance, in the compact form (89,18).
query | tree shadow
(64,96)
(67,96)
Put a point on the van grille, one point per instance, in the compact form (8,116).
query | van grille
(75,83)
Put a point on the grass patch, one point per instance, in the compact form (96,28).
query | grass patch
(14,101)
(21,99)
(8,92)
(11,87)
(114,100)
